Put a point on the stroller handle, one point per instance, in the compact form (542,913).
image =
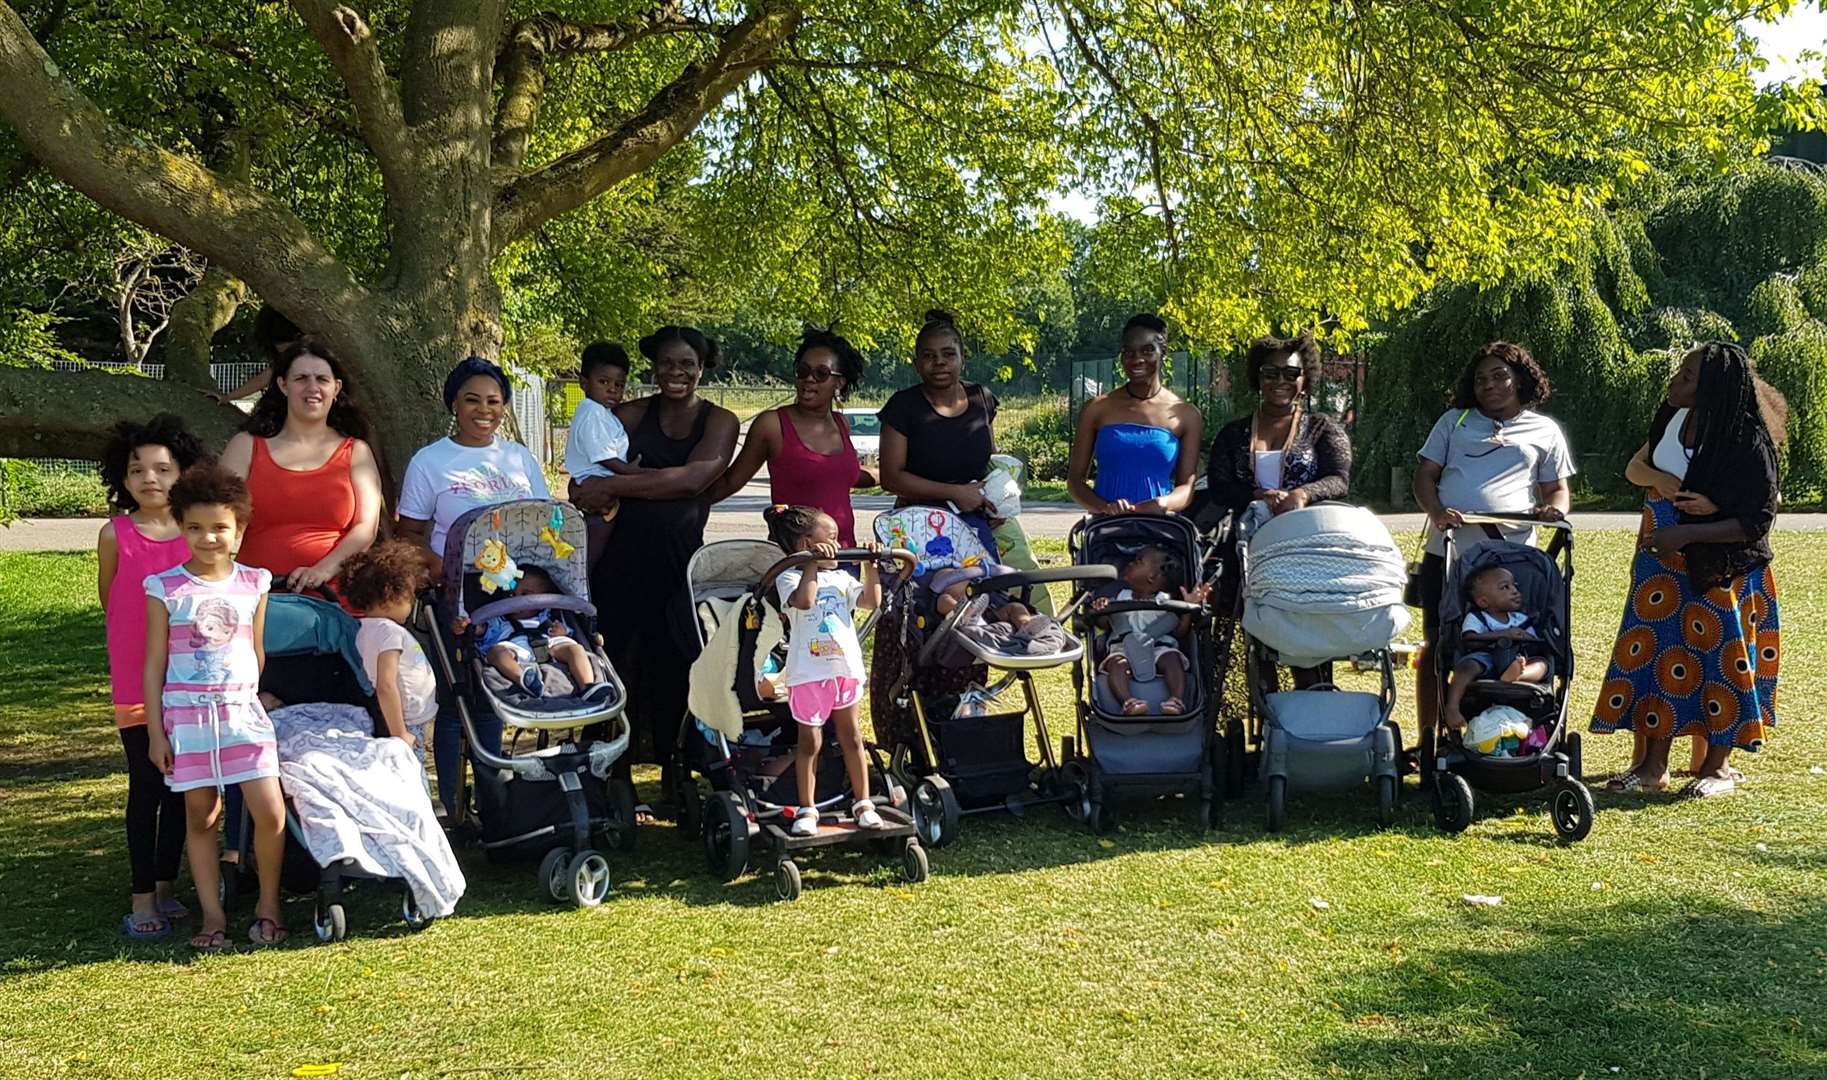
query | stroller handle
(906,558)
(1020,579)
(1515,519)
(511,605)
(1118,607)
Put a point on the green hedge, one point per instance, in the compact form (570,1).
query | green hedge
(29,491)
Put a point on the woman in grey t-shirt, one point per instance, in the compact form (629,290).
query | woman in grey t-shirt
(1490,453)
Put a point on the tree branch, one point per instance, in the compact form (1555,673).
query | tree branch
(640,140)
(228,222)
(67,414)
(521,68)
(349,43)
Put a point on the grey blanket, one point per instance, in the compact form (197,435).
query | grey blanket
(361,798)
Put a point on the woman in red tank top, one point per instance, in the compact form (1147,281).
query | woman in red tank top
(805,443)
(316,489)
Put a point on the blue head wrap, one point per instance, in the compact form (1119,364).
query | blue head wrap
(468,370)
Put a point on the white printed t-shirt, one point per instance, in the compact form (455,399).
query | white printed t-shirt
(821,640)
(447,479)
(595,436)
(418,687)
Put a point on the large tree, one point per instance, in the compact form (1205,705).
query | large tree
(1293,162)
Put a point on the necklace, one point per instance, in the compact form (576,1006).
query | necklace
(1129,388)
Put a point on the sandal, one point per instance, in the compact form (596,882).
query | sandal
(173,911)
(1709,787)
(643,814)
(264,931)
(1633,784)
(210,941)
(1134,706)
(145,927)
(1172,706)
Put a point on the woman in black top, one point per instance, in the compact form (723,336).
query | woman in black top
(937,437)
(1700,645)
(682,444)
(1283,453)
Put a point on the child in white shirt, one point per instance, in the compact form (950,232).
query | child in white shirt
(597,439)
(824,669)
(1498,622)
(382,583)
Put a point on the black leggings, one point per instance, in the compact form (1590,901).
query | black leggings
(155,815)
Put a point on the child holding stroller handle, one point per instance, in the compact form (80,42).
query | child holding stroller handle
(383,583)
(205,623)
(824,669)
(1143,644)
(1498,624)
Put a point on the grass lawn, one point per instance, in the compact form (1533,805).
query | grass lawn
(1681,939)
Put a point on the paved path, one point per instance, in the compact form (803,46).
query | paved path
(740,515)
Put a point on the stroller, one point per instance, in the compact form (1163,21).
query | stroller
(1319,584)
(1152,752)
(744,744)
(556,798)
(1453,771)
(311,658)
(952,740)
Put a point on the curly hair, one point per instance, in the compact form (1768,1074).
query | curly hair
(268,416)
(1532,385)
(211,485)
(165,430)
(386,573)
(788,526)
(601,354)
(706,349)
(939,321)
(1269,347)
(850,362)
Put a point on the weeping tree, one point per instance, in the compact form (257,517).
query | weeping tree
(1737,258)
(422,169)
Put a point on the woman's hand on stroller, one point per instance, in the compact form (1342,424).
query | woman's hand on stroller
(968,498)
(1549,513)
(459,624)
(1446,518)
(1280,502)
(307,578)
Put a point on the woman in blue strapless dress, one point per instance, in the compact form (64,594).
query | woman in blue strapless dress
(1142,438)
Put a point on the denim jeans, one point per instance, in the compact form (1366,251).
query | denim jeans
(445,737)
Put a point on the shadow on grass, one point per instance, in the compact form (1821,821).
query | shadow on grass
(1676,987)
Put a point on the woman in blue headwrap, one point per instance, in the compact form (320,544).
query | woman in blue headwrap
(472,466)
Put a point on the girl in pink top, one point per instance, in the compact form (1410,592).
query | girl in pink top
(139,467)
(805,443)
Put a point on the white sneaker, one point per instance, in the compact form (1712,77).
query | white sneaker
(805,822)
(865,815)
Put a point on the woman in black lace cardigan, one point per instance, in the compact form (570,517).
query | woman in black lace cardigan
(1283,453)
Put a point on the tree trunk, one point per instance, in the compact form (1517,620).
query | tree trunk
(195,322)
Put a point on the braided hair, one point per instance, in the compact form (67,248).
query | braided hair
(1734,411)
(788,526)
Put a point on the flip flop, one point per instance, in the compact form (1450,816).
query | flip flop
(154,926)
(173,910)
(1709,787)
(210,941)
(643,814)
(265,931)
(1632,783)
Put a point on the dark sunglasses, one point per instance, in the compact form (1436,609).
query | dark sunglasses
(1270,373)
(802,373)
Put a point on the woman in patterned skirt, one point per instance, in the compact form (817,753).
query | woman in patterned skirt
(1699,648)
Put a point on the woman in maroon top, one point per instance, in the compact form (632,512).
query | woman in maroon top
(806,444)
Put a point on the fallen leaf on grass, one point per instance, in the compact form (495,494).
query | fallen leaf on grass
(1106,843)
(832,951)
(1816,770)
(328,1068)
(1476,900)
(1318,904)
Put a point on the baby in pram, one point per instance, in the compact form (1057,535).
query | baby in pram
(1008,626)
(1500,631)
(1144,645)
(507,643)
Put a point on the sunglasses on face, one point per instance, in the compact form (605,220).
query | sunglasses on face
(816,375)
(1280,374)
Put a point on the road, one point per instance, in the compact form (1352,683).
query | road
(740,515)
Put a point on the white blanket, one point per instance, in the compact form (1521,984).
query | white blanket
(362,798)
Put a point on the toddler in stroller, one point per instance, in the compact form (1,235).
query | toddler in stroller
(1144,645)
(1502,634)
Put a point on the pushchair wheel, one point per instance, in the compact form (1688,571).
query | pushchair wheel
(1572,809)
(936,811)
(552,874)
(1075,791)
(411,915)
(621,808)
(726,835)
(914,865)
(786,879)
(1453,802)
(588,877)
(1278,803)
(1386,801)
(329,922)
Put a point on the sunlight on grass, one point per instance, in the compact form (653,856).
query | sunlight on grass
(1680,939)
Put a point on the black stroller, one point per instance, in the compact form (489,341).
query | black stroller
(1120,754)
(744,745)
(556,798)
(955,743)
(311,659)
(1450,770)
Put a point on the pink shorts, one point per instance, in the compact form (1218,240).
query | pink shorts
(813,703)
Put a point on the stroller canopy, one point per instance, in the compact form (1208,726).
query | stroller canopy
(937,538)
(533,532)
(1323,582)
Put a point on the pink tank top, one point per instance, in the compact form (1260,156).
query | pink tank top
(801,476)
(140,558)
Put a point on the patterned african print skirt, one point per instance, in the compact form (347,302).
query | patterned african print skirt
(1687,663)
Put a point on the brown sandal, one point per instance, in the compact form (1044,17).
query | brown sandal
(210,941)
(264,931)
